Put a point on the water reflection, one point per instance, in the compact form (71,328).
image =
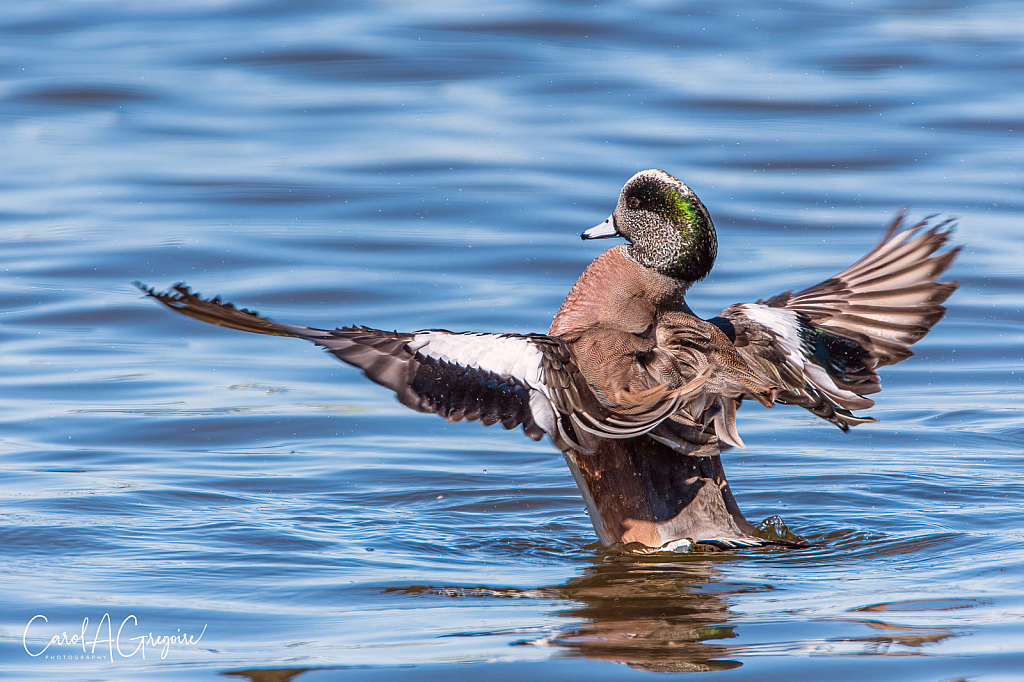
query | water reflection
(887,634)
(893,634)
(648,613)
(269,674)
(676,613)
(666,617)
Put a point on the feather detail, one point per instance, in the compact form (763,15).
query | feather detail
(658,404)
(725,422)
(825,343)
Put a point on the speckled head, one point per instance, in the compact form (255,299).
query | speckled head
(666,225)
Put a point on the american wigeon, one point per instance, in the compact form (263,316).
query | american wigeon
(638,392)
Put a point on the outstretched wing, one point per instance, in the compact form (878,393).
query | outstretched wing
(530,380)
(486,377)
(826,343)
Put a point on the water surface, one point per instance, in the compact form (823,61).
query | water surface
(431,165)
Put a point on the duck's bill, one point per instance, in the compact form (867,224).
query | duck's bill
(602,231)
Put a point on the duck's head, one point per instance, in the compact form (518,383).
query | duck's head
(666,225)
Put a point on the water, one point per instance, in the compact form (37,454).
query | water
(431,165)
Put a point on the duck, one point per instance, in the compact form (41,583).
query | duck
(638,392)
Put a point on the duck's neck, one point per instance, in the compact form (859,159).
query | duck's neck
(664,291)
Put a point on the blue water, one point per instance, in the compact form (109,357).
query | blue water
(431,165)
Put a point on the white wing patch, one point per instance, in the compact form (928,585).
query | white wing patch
(783,322)
(506,356)
(786,325)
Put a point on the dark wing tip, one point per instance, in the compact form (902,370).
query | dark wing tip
(894,226)
(214,311)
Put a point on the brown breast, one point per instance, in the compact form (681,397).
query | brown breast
(616,293)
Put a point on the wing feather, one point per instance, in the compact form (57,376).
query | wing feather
(827,342)
(424,369)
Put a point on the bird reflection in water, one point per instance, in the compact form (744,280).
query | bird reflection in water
(670,617)
(646,612)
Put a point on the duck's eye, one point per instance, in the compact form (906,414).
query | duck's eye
(633,202)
